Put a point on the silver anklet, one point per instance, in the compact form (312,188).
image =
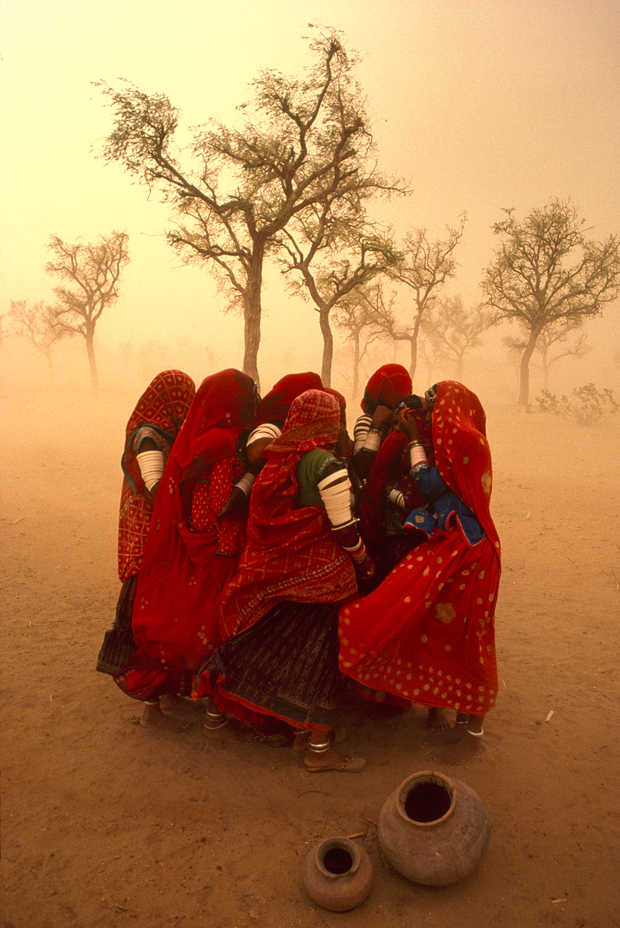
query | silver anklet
(319,748)
(476,734)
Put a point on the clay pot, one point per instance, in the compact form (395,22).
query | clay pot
(337,874)
(433,829)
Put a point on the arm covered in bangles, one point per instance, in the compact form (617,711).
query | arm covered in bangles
(335,491)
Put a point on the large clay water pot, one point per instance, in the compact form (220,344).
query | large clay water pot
(337,874)
(433,829)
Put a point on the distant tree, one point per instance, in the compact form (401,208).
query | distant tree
(424,268)
(453,331)
(304,146)
(348,256)
(562,340)
(92,273)
(355,315)
(37,323)
(546,272)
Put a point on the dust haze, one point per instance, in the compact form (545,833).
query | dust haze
(484,106)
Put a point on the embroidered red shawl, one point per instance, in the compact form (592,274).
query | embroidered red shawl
(291,554)
(160,411)
(191,552)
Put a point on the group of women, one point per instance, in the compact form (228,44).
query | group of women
(266,558)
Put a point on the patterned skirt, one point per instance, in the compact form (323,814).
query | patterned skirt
(285,667)
(118,644)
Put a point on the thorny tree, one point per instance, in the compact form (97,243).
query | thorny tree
(546,272)
(348,257)
(92,273)
(357,315)
(37,323)
(302,144)
(564,339)
(424,269)
(451,330)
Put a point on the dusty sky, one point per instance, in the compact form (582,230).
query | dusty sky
(479,104)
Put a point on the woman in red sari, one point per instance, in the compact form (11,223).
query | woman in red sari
(279,614)
(427,633)
(267,422)
(192,550)
(387,387)
(151,430)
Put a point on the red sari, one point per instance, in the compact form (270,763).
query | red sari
(191,552)
(427,633)
(291,553)
(279,615)
(389,384)
(274,406)
(159,414)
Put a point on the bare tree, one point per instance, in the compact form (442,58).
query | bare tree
(92,272)
(347,258)
(425,267)
(546,272)
(453,331)
(566,337)
(355,315)
(37,323)
(303,144)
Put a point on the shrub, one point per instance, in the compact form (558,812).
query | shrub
(588,406)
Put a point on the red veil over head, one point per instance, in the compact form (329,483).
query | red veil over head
(462,453)
(427,633)
(290,553)
(388,385)
(184,569)
(163,406)
(274,406)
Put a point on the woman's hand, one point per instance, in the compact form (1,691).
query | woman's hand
(406,423)
(381,417)
(235,501)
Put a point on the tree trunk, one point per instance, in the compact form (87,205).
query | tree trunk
(413,363)
(328,347)
(252,315)
(92,362)
(524,368)
(356,362)
(413,341)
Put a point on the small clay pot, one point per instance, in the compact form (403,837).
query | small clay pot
(337,874)
(433,829)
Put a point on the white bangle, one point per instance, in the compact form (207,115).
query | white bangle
(373,441)
(335,493)
(417,455)
(245,484)
(396,497)
(151,465)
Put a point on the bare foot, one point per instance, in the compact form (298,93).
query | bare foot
(333,760)
(451,736)
(154,719)
(224,731)
(460,752)
(438,720)
(173,703)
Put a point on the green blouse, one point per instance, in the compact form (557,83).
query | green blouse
(310,471)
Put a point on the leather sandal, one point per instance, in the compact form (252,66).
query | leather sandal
(300,741)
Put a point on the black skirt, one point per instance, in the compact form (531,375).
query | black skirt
(286,665)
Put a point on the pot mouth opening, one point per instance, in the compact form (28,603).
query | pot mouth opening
(338,857)
(427,800)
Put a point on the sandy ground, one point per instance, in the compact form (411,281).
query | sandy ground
(107,824)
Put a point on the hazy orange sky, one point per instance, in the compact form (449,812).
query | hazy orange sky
(479,104)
